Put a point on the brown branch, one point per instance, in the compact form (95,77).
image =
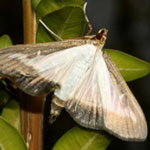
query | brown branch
(32,107)
(29,20)
(32,121)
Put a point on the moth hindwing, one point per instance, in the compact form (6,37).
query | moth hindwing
(86,81)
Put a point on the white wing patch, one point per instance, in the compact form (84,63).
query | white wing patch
(85,102)
(53,60)
(73,75)
(64,67)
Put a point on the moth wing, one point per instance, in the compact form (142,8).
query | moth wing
(84,104)
(10,57)
(122,114)
(37,71)
(102,100)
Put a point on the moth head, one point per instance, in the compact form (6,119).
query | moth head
(102,35)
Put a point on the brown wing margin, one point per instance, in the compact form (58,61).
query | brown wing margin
(45,48)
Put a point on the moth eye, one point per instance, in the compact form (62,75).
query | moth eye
(99,36)
(102,35)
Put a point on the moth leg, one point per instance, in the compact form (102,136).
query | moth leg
(56,107)
(90,28)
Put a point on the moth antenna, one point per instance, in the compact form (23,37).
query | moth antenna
(87,20)
(56,107)
(50,31)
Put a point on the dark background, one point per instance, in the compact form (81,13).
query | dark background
(128,22)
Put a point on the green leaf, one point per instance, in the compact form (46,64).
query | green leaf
(35,3)
(10,139)
(3,97)
(11,113)
(46,7)
(65,26)
(130,67)
(65,18)
(5,41)
(82,139)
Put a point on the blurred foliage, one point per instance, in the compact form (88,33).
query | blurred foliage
(5,41)
(11,113)
(65,18)
(4,97)
(82,139)
(10,138)
(10,126)
(129,66)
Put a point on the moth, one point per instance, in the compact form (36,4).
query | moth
(86,81)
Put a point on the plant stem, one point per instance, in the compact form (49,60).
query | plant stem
(32,107)
(32,121)
(29,19)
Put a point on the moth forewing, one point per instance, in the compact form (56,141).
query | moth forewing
(29,64)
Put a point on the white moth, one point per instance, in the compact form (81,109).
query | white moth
(87,83)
